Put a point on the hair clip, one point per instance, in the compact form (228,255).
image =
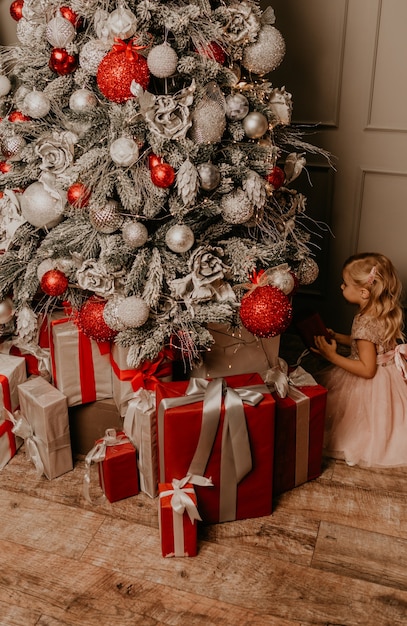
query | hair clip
(372,275)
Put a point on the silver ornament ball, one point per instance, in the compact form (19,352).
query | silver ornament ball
(162,61)
(236,207)
(134,234)
(110,313)
(237,106)
(36,104)
(11,147)
(42,207)
(60,32)
(6,311)
(106,219)
(124,151)
(255,125)
(5,85)
(91,55)
(266,54)
(209,176)
(180,238)
(307,272)
(82,100)
(133,312)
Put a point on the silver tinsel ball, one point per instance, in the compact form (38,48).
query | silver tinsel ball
(208,123)
(11,147)
(255,125)
(6,311)
(179,238)
(110,313)
(133,312)
(5,85)
(36,104)
(91,55)
(237,106)
(162,61)
(266,54)
(307,272)
(30,33)
(236,207)
(209,176)
(124,151)
(41,206)
(82,100)
(106,219)
(60,32)
(134,234)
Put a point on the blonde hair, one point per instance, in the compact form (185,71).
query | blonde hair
(376,273)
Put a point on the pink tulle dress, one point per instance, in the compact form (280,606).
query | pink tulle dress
(366,421)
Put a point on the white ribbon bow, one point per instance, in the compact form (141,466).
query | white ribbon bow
(279,380)
(22,428)
(96,455)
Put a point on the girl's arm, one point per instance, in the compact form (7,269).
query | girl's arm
(344,340)
(365,366)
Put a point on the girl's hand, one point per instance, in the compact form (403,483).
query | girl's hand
(324,348)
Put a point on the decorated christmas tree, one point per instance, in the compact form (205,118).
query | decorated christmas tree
(146,173)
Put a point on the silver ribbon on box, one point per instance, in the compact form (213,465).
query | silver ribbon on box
(181,501)
(22,428)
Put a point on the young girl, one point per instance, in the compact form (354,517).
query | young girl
(367,391)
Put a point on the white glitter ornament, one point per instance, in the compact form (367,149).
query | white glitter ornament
(36,104)
(133,312)
(5,85)
(307,272)
(282,278)
(60,32)
(124,151)
(208,119)
(236,207)
(12,146)
(91,55)
(134,234)
(237,106)
(6,311)
(122,23)
(255,125)
(82,100)
(41,205)
(209,176)
(162,60)
(106,219)
(110,313)
(179,238)
(266,54)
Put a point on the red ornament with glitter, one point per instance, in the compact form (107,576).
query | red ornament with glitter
(276,177)
(61,62)
(71,16)
(17,116)
(265,310)
(54,283)
(91,322)
(119,68)
(78,195)
(162,175)
(16,9)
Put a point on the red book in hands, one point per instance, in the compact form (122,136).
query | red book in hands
(310,326)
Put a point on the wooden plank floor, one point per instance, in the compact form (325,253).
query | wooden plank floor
(334,552)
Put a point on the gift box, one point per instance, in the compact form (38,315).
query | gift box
(117,466)
(309,326)
(12,373)
(222,430)
(236,352)
(80,366)
(128,380)
(178,519)
(299,433)
(37,360)
(89,422)
(44,324)
(43,424)
(9,443)
(141,428)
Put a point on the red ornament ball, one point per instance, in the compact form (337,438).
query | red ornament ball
(118,69)
(276,177)
(71,16)
(54,283)
(5,167)
(153,160)
(78,195)
(91,322)
(213,51)
(17,116)
(16,9)
(266,311)
(61,62)
(162,175)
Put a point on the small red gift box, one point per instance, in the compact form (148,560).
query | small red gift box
(299,434)
(126,381)
(117,465)
(177,518)
(80,366)
(204,429)
(9,443)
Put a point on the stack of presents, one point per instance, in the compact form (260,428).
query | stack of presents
(215,447)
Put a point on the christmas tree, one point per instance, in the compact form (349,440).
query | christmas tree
(146,173)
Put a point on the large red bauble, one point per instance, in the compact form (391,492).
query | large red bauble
(5,167)
(213,51)
(276,177)
(54,283)
(266,311)
(118,69)
(61,62)
(162,175)
(16,9)
(71,16)
(17,116)
(91,322)
(78,195)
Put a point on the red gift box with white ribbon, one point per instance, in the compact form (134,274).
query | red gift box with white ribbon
(9,443)
(178,518)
